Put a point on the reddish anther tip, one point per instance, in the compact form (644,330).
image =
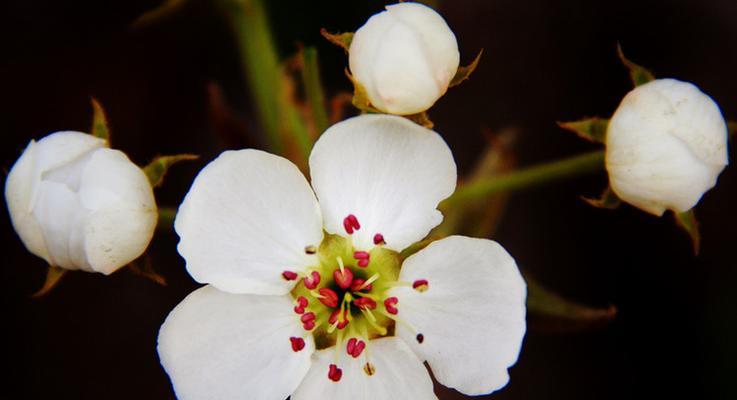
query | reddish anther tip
(343,278)
(350,224)
(308,325)
(333,319)
(297,343)
(299,309)
(357,283)
(363,263)
(420,285)
(312,281)
(365,303)
(307,317)
(289,275)
(390,305)
(329,297)
(355,347)
(379,239)
(302,302)
(360,255)
(420,338)
(335,373)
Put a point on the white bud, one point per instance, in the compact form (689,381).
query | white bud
(80,205)
(404,58)
(665,146)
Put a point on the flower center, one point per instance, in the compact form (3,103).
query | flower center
(343,301)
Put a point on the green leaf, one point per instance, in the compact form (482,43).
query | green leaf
(342,40)
(100,127)
(638,74)
(156,169)
(608,200)
(548,311)
(687,221)
(591,129)
(53,276)
(165,10)
(464,73)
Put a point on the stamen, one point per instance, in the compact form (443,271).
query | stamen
(310,249)
(420,285)
(355,347)
(343,277)
(379,239)
(297,344)
(308,325)
(312,280)
(335,373)
(371,280)
(390,305)
(301,304)
(360,255)
(307,317)
(289,275)
(420,338)
(372,321)
(363,263)
(369,369)
(365,303)
(328,297)
(360,284)
(350,224)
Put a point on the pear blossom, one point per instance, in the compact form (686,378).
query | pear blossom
(665,146)
(404,58)
(307,295)
(80,205)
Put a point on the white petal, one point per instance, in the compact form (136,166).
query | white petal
(217,345)
(248,217)
(122,208)
(472,316)
(398,375)
(18,188)
(387,171)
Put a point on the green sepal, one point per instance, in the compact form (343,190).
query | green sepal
(638,74)
(360,97)
(342,40)
(548,311)
(146,270)
(591,129)
(687,221)
(464,73)
(422,119)
(608,200)
(53,276)
(100,127)
(156,169)
(163,11)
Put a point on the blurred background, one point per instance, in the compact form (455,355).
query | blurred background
(94,337)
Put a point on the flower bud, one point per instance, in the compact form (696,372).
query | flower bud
(665,146)
(80,205)
(404,58)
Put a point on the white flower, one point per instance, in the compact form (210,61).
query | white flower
(80,205)
(665,146)
(404,58)
(312,299)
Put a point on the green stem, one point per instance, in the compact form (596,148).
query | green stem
(260,62)
(166,218)
(532,176)
(313,88)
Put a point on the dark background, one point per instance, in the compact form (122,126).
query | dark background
(94,337)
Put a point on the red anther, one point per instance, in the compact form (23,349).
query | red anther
(350,224)
(342,324)
(357,283)
(390,305)
(312,281)
(333,319)
(420,285)
(297,343)
(329,297)
(365,303)
(420,338)
(307,317)
(379,239)
(308,325)
(289,275)
(358,349)
(335,373)
(343,278)
(299,309)
(351,346)
(363,263)
(360,255)
(302,301)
